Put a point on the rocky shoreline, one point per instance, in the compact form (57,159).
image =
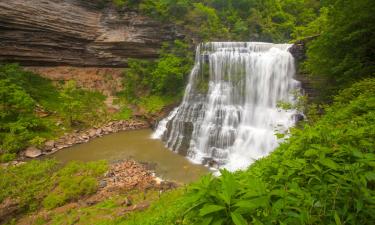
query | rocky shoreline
(84,136)
(122,177)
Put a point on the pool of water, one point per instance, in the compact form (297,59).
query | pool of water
(135,145)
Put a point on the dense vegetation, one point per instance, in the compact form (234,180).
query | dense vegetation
(44,183)
(269,20)
(322,174)
(33,109)
(150,85)
(154,84)
(344,51)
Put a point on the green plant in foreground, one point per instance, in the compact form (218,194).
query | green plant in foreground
(44,183)
(224,200)
(322,174)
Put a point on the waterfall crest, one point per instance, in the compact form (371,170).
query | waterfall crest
(229,112)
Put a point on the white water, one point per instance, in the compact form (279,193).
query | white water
(229,112)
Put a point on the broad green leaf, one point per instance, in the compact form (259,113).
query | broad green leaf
(228,184)
(277,192)
(337,219)
(218,221)
(370,176)
(253,203)
(329,163)
(238,219)
(317,167)
(311,152)
(207,209)
(207,220)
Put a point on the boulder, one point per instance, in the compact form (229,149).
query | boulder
(32,152)
(92,133)
(99,131)
(49,145)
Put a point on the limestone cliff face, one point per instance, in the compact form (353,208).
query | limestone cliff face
(76,32)
(298,50)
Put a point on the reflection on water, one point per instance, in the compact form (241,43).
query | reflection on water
(136,145)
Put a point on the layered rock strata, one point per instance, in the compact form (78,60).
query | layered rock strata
(76,32)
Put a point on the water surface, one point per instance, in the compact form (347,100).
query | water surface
(139,146)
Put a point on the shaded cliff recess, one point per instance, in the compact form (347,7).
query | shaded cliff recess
(41,33)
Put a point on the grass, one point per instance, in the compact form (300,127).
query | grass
(45,183)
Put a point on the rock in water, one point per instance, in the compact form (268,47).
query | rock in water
(32,152)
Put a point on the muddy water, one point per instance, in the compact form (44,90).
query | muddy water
(136,145)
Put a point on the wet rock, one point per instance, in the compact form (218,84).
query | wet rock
(49,145)
(210,162)
(8,208)
(92,133)
(102,184)
(99,132)
(126,202)
(32,152)
(298,117)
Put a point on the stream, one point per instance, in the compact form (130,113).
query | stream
(135,145)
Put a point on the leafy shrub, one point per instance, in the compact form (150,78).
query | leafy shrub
(152,85)
(77,104)
(342,54)
(152,104)
(37,183)
(26,182)
(322,174)
(124,114)
(269,20)
(74,180)
(6,157)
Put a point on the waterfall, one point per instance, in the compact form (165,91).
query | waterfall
(229,112)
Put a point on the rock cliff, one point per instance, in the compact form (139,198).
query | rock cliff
(76,32)
(298,50)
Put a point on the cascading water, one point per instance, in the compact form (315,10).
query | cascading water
(229,113)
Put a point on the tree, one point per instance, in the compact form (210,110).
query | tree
(344,52)
(79,105)
(71,103)
(15,102)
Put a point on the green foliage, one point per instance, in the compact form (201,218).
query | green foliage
(154,103)
(40,89)
(152,85)
(6,157)
(269,20)
(73,181)
(308,179)
(343,53)
(23,93)
(18,122)
(323,174)
(77,104)
(37,141)
(26,182)
(314,27)
(42,182)
(204,21)
(124,114)
(168,209)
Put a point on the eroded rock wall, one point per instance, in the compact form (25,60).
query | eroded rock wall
(75,32)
